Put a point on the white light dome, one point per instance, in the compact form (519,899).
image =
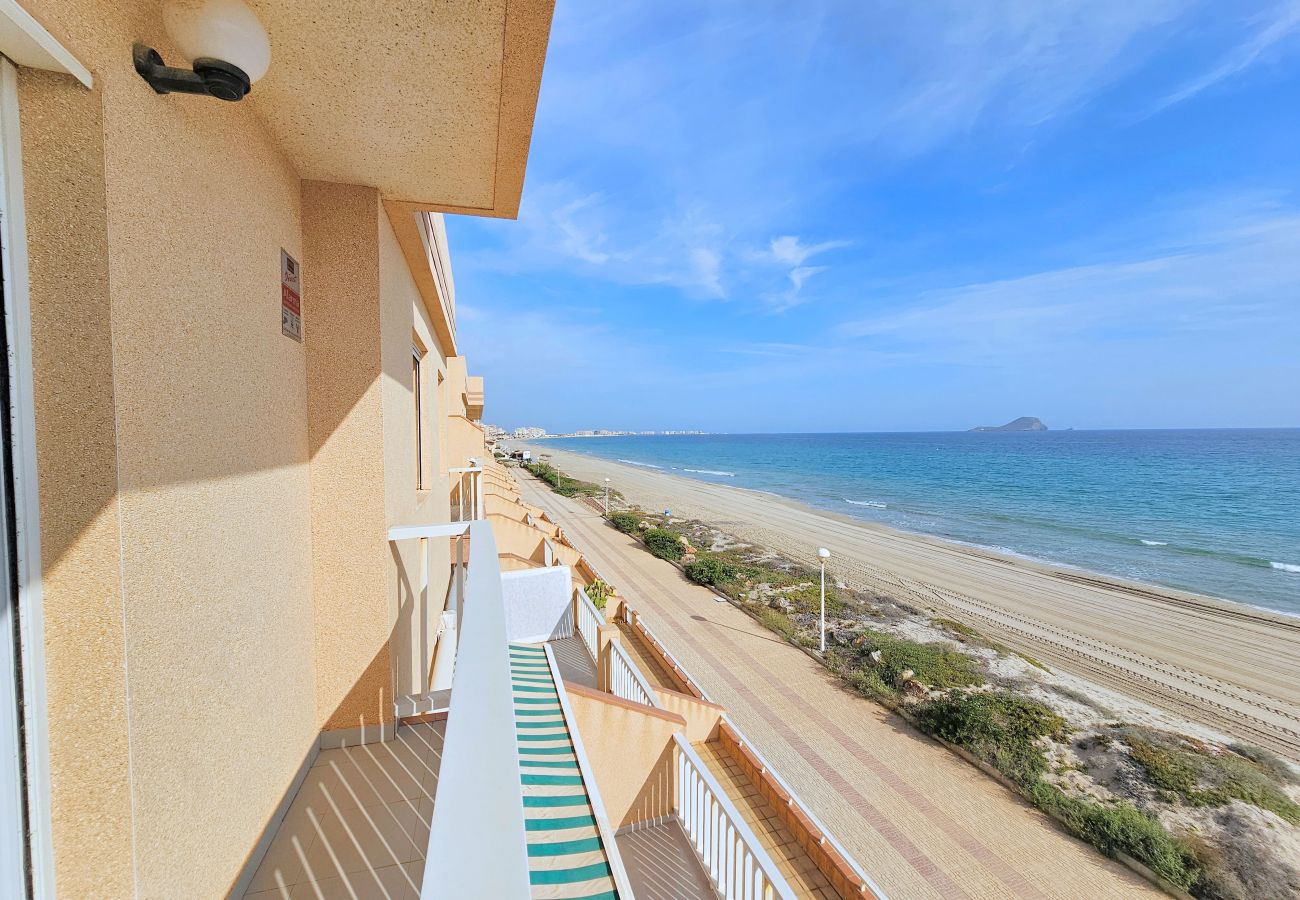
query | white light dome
(219,29)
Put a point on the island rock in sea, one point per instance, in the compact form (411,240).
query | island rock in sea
(1024,423)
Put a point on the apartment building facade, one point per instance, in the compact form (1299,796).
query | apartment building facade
(203,593)
(269,594)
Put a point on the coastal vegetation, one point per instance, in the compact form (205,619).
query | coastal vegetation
(663,543)
(562,484)
(625,522)
(1214,819)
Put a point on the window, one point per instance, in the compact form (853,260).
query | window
(417,391)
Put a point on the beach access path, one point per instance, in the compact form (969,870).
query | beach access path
(1229,667)
(922,822)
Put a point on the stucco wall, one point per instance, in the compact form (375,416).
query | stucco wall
(630,748)
(179,549)
(414,607)
(342,322)
(172,445)
(72,354)
(215,496)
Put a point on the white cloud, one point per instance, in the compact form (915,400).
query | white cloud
(789,253)
(1233,281)
(1272,27)
(1008,63)
(790,249)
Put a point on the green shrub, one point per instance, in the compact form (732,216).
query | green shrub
(775,620)
(1121,829)
(937,665)
(625,522)
(562,484)
(709,569)
(663,543)
(999,727)
(598,592)
(1205,779)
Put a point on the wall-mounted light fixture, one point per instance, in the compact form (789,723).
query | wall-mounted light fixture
(227,46)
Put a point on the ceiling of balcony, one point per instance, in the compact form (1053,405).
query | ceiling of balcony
(430,102)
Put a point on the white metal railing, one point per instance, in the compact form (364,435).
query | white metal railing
(588,620)
(626,680)
(739,866)
(469,493)
(477,843)
(746,743)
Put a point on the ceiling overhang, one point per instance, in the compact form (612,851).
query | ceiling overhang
(432,103)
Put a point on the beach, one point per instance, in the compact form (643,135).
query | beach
(1226,667)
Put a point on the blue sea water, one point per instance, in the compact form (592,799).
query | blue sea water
(1211,511)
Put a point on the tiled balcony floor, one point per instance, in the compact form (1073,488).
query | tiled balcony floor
(359,825)
(574,662)
(777,839)
(661,865)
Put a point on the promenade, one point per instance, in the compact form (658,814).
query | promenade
(924,823)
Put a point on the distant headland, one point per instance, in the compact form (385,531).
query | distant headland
(1024,423)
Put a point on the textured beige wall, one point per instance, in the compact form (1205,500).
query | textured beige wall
(72,358)
(414,607)
(345,411)
(203,523)
(214,495)
(629,747)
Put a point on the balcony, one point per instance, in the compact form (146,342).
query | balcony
(572,757)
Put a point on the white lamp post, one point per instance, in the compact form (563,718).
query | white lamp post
(823,554)
(606,497)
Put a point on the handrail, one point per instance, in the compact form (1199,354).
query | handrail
(477,843)
(617,870)
(732,855)
(826,834)
(473,494)
(587,621)
(626,680)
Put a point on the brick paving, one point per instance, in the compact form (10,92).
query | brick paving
(923,823)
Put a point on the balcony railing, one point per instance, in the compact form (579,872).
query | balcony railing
(467,497)
(477,842)
(588,620)
(626,680)
(732,855)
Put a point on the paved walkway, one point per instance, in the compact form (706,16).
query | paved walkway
(923,823)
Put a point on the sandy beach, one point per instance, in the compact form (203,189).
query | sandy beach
(1227,667)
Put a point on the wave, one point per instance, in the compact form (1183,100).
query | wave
(1155,543)
(711,472)
(633,462)
(1286,567)
(872,503)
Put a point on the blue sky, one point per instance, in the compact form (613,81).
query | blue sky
(862,216)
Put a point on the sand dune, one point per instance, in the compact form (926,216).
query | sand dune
(1226,666)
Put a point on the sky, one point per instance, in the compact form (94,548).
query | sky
(864,215)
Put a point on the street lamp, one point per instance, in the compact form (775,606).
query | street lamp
(606,498)
(823,554)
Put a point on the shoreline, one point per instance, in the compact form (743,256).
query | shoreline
(1195,657)
(1000,554)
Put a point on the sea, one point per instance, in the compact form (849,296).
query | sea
(1212,511)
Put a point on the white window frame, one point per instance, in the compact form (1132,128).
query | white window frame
(418,374)
(38,847)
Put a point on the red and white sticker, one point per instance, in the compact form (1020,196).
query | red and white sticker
(290,296)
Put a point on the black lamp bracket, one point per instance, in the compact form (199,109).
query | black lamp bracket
(213,77)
